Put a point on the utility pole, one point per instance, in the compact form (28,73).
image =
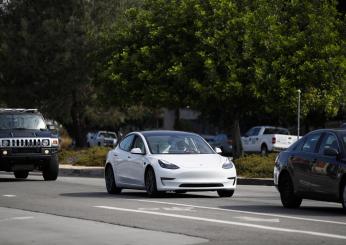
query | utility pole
(298,119)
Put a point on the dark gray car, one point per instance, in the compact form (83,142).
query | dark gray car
(313,168)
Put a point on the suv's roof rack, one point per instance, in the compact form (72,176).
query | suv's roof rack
(18,110)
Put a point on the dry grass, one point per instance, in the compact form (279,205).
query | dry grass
(256,166)
(94,156)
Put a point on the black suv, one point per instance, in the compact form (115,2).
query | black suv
(27,144)
(313,168)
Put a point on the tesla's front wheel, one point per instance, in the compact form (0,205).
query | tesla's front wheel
(150,183)
(225,193)
(110,181)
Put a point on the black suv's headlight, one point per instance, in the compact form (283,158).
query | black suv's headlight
(45,142)
(5,143)
(165,164)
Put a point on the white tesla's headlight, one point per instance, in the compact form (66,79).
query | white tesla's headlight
(165,164)
(45,142)
(228,164)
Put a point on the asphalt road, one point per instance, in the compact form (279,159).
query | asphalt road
(79,211)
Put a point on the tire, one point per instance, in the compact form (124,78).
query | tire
(51,170)
(22,174)
(343,196)
(110,181)
(225,193)
(264,150)
(150,183)
(288,198)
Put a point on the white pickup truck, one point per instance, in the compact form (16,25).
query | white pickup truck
(264,139)
(101,138)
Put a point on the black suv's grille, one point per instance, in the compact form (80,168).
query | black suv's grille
(26,150)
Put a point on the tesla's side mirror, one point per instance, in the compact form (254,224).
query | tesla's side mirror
(136,151)
(218,150)
(331,152)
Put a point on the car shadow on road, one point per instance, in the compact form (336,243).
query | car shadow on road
(279,210)
(132,195)
(18,180)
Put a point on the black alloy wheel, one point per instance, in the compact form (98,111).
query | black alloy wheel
(110,181)
(288,198)
(225,193)
(150,183)
(22,174)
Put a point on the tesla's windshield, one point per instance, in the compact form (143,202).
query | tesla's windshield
(176,143)
(21,121)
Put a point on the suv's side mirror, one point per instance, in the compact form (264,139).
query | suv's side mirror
(136,151)
(218,150)
(51,127)
(331,152)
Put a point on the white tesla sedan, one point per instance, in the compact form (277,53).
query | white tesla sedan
(159,161)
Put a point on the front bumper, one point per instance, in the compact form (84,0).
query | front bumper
(25,158)
(196,180)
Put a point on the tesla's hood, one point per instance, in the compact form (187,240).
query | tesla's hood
(192,160)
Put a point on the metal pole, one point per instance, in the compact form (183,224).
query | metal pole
(298,120)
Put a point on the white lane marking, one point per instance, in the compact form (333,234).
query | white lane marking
(262,227)
(254,219)
(185,209)
(149,209)
(244,212)
(178,209)
(9,195)
(17,218)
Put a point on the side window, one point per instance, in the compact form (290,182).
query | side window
(126,143)
(329,141)
(311,142)
(139,144)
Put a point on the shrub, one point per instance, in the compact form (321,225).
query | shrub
(255,165)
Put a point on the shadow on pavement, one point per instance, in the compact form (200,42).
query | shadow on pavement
(279,210)
(132,195)
(18,180)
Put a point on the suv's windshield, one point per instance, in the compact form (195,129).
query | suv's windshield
(177,143)
(21,121)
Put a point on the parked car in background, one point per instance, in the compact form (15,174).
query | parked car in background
(102,138)
(313,168)
(264,139)
(160,161)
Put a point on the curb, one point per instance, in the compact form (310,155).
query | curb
(98,172)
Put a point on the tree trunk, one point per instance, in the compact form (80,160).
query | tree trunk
(78,122)
(236,138)
(177,125)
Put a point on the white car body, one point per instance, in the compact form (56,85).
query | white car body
(101,138)
(202,172)
(259,139)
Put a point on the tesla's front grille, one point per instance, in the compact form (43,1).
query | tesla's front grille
(202,185)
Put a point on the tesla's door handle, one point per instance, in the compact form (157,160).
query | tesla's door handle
(115,155)
(128,157)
